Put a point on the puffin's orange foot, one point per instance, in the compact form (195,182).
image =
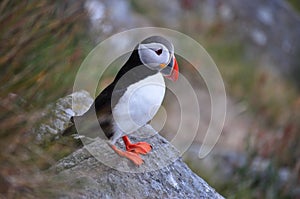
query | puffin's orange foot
(139,147)
(135,158)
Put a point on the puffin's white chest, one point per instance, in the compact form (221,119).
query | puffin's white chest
(139,104)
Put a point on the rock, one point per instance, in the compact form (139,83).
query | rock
(95,171)
(87,177)
(56,117)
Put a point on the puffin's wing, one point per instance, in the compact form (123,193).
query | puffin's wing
(109,97)
(102,106)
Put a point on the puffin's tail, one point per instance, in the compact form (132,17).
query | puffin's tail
(70,129)
(86,126)
(72,120)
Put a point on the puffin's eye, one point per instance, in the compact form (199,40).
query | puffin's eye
(159,51)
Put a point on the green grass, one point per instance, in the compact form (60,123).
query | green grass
(274,103)
(295,4)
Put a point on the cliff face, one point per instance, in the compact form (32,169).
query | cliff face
(95,171)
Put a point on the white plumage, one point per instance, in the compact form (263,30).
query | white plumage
(138,105)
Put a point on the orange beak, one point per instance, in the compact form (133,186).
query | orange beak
(175,71)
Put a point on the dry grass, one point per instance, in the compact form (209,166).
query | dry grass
(42,45)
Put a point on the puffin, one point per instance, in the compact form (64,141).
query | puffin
(134,97)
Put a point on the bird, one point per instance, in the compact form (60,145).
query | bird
(134,96)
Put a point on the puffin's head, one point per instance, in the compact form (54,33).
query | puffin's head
(157,53)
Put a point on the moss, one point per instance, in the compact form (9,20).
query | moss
(295,4)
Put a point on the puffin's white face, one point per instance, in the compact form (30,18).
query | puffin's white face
(159,56)
(154,55)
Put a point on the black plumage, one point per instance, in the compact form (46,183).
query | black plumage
(100,112)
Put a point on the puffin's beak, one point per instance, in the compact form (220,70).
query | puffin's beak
(171,70)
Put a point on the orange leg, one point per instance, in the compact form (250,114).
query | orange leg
(135,158)
(139,147)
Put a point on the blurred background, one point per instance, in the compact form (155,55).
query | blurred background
(255,45)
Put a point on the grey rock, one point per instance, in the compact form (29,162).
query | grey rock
(95,171)
(87,177)
(55,118)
